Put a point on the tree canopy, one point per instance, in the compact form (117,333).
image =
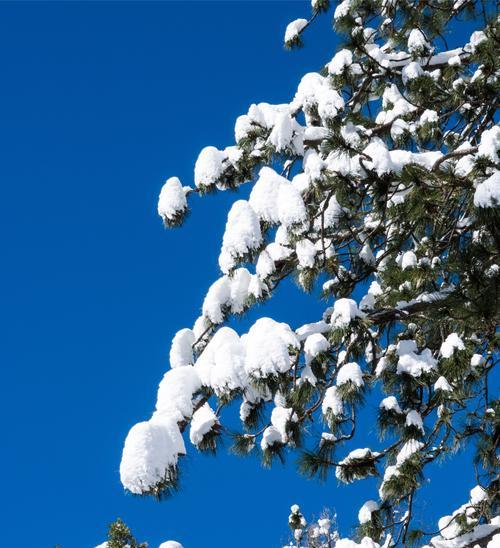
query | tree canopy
(378,187)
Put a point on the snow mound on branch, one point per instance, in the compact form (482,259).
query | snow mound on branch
(344,311)
(332,402)
(350,372)
(443,385)
(151,449)
(276,433)
(170,544)
(487,193)
(287,133)
(453,342)
(265,265)
(241,236)
(408,450)
(209,166)
(181,351)
(490,144)
(267,344)
(306,252)
(229,294)
(342,9)
(411,71)
(315,344)
(340,62)
(365,512)
(275,200)
(221,366)
(294,29)
(172,199)
(175,393)
(411,362)
(390,404)
(417,42)
(202,423)
(413,418)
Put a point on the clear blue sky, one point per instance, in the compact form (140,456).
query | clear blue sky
(99,104)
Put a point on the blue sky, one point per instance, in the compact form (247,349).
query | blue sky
(99,104)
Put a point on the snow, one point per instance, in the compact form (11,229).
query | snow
(170,544)
(342,9)
(291,208)
(270,436)
(366,255)
(175,393)
(278,252)
(476,360)
(490,144)
(209,166)
(181,351)
(350,372)
(316,133)
(476,38)
(218,295)
(172,199)
(411,71)
(202,423)
(241,236)
(243,127)
(443,385)
(408,260)
(151,449)
(413,418)
(344,311)
(275,200)
(239,289)
(365,512)
(398,128)
(340,62)
(332,402)
(487,193)
(417,43)
(377,151)
(221,366)
(267,345)
(390,404)
(368,300)
(293,29)
(366,542)
(453,342)
(429,117)
(228,295)
(315,344)
(310,328)
(411,362)
(280,418)
(283,133)
(408,450)
(331,214)
(449,538)
(356,454)
(265,265)
(306,252)
(477,495)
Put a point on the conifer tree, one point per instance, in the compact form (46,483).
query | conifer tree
(377,187)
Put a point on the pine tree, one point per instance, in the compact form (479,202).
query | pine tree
(120,536)
(378,188)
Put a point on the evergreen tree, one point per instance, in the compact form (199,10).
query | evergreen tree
(377,186)
(120,536)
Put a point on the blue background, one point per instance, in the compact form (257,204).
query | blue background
(99,104)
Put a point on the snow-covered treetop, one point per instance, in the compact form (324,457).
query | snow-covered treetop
(379,183)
